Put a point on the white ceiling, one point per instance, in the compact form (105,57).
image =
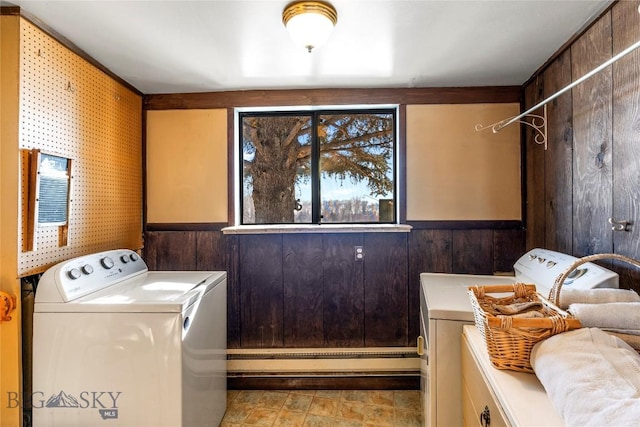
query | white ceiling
(214,45)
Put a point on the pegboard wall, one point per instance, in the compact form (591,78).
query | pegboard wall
(72,109)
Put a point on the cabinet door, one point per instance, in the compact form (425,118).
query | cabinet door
(478,402)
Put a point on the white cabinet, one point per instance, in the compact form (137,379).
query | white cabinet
(496,398)
(479,404)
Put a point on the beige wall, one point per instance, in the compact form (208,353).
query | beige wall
(187,166)
(457,173)
(10,377)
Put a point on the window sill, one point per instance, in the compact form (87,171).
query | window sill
(324,228)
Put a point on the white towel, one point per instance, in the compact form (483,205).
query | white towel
(623,331)
(595,296)
(632,339)
(592,378)
(612,315)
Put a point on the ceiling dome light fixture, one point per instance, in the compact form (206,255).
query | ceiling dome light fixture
(309,23)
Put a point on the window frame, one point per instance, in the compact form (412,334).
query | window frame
(313,113)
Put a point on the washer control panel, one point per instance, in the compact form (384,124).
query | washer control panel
(543,266)
(81,276)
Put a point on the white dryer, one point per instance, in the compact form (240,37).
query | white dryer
(117,345)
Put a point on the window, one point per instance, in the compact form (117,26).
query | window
(322,166)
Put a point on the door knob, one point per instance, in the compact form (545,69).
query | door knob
(619,225)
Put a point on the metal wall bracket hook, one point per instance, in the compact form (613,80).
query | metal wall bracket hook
(620,225)
(499,125)
(538,123)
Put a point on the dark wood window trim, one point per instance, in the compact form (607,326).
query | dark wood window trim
(316,97)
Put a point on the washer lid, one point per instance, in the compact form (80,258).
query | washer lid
(150,292)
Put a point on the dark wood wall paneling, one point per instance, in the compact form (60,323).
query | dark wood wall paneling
(171,250)
(386,289)
(592,186)
(308,290)
(590,171)
(303,281)
(626,136)
(534,165)
(343,290)
(559,158)
(508,246)
(261,291)
(429,252)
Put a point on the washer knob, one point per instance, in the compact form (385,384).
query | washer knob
(74,274)
(107,262)
(87,269)
(134,257)
(124,259)
(577,273)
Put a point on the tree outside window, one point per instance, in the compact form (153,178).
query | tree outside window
(318,166)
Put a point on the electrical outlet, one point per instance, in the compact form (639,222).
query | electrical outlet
(359,253)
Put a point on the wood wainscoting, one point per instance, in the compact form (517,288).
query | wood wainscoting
(307,290)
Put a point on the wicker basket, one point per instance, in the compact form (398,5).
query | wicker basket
(554,293)
(510,339)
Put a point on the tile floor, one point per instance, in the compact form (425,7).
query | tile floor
(323,408)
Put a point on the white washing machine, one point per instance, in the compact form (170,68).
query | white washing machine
(445,308)
(117,345)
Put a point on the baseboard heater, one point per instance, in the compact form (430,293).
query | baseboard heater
(321,362)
